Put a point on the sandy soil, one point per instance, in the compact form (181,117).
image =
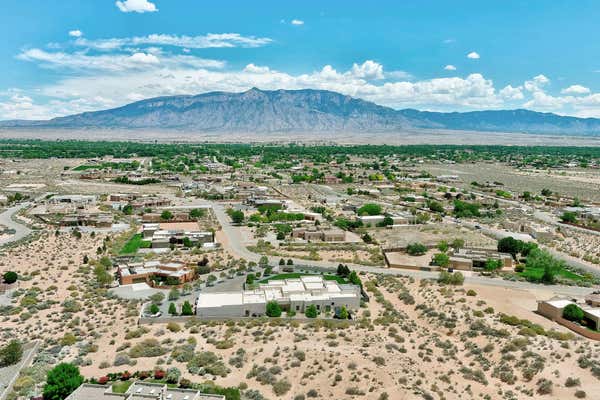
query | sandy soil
(403,348)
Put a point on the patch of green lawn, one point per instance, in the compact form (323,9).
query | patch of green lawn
(121,387)
(293,275)
(85,167)
(535,274)
(134,244)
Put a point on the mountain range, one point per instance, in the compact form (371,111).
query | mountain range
(305,110)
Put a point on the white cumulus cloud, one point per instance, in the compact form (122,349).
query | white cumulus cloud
(139,6)
(297,22)
(512,93)
(76,33)
(368,70)
(450,67)
(537,83)
(255,69)
(473,55)
(576,89)
(144,58)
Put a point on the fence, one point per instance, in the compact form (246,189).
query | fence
(582,330)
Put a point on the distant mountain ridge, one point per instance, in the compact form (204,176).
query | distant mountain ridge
(304,110)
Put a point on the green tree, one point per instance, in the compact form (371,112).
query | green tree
(542,260)
(173,375)
(370,209)
(441,259)
(569,217)
(10,277)
(157,297)
(173,294)
(354,279)
(237,216)
(492,265)
(186,309)
(11,353)
(457,244)
(573,312)
(197,213)
(416,249)
(154,309)
(127,209)
(172,309)
(290,261)
(273,309)
(103,278)
(105,262)
(343,270)
(61,381)
(281,261)
(436,206)
(510,245)
(443,246)
(448,278)
(166,215)
(263,261)
(311,311)
(250,278)
(343,314)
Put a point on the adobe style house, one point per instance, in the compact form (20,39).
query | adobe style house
(139,391)
(154,273)
(291,294)
(312,234)
(553,309)
(469,258)
(99,220)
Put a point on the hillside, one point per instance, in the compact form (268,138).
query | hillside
(304,110)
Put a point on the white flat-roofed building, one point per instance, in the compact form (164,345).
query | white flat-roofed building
(291,294)
(139,391)
(72,199)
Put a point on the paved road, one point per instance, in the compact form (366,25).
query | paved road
(21,231)
(8,375)
(236,246)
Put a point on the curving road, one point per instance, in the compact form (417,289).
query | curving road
(6,219)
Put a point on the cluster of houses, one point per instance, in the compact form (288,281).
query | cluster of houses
(72,210)
(464,259)
(291,294)
(589,214)
(539,232)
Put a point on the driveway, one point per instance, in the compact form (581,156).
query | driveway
(6,219)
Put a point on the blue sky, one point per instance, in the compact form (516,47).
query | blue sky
(69,56)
